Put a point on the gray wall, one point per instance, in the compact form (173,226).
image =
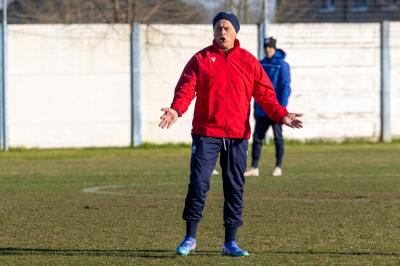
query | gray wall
(69,86)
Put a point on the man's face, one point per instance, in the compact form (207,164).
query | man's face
(224,34)
(269,51)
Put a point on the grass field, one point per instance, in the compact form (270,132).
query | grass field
(335,205)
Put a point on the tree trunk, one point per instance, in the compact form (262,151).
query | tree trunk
(116,10)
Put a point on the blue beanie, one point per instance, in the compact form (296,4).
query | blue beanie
(228,16)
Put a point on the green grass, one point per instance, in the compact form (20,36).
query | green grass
(335,205)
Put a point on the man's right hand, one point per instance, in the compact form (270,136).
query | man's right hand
(168,118)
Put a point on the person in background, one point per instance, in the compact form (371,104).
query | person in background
(278,70)
(223,77)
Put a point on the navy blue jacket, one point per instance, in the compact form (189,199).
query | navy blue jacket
(278,71)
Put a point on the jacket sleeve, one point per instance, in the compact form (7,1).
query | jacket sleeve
(284,84)
(185,89)
(264,95)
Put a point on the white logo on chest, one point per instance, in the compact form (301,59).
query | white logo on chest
(213,59)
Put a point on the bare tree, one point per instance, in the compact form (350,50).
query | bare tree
(247,11)
(106,11)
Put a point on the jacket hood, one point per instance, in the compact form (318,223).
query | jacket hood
(279,54)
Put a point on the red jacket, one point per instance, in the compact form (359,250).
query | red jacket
(224,84)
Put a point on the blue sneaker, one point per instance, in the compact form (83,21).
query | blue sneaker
(188,244)
(232,249)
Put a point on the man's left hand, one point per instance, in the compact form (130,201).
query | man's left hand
(291,120)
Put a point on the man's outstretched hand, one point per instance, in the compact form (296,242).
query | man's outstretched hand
(291,120)
(168,118)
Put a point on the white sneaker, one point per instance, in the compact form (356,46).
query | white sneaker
(215,172)
(277,171)
(252,172)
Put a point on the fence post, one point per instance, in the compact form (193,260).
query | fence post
(261,36)
(3,81)
(261,55)
(386,133)
(136,115)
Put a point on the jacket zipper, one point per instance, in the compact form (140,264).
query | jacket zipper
(226,98)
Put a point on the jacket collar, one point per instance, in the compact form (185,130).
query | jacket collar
(278,56)
(218,49)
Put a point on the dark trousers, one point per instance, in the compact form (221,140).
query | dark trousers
(261,127)
(233,156)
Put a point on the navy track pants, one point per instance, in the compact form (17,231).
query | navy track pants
(233,157)
(262,125)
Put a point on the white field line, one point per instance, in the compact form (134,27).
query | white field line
(100,190)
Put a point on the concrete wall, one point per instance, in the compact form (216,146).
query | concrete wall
(335,78)
(69,86)
(395,76)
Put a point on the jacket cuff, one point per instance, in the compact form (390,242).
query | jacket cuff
(285,113)
(176,110)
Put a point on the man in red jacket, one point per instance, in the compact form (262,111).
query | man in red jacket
(223,77)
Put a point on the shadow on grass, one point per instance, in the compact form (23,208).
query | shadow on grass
(140,253)
(160,253)
(353,253)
